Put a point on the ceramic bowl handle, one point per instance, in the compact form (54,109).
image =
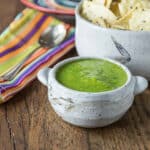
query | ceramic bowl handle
(140,85)
(43,76)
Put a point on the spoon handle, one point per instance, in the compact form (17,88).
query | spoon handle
(12,73)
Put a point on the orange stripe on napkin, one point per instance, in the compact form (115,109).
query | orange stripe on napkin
(29,43)
(36,55)
(30,77)
(24,32)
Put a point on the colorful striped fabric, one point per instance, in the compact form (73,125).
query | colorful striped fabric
(53,6)
(19,40)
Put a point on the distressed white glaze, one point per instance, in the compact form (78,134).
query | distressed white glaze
(90,109)
(93,40)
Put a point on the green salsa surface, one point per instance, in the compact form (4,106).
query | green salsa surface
(91,75)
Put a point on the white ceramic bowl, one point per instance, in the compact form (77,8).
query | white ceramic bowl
(93,40)
(90,109)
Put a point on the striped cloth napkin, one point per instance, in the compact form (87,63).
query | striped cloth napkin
(59,4)
(19,40)
(65,7)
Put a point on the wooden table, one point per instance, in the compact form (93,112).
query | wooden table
(28,122)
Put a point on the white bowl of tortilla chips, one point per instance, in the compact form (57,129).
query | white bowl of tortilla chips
(118,29)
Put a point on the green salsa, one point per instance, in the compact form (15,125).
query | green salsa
(91,75)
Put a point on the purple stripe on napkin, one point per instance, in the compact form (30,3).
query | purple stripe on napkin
(26,39)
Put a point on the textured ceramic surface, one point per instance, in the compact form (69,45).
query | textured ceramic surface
(93,40)
(90,109)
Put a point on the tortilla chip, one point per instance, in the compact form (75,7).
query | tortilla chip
(123,22)
(92,11)
(99,1)
(146,3)
(108,3)
(119,14)
(115,9)
(140,20)
(127,5)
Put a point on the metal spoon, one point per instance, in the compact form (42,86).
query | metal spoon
(50,38)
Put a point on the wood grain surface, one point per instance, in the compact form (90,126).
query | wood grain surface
(27,121)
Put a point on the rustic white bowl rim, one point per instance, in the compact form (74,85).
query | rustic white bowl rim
(57,66)
(92,25)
